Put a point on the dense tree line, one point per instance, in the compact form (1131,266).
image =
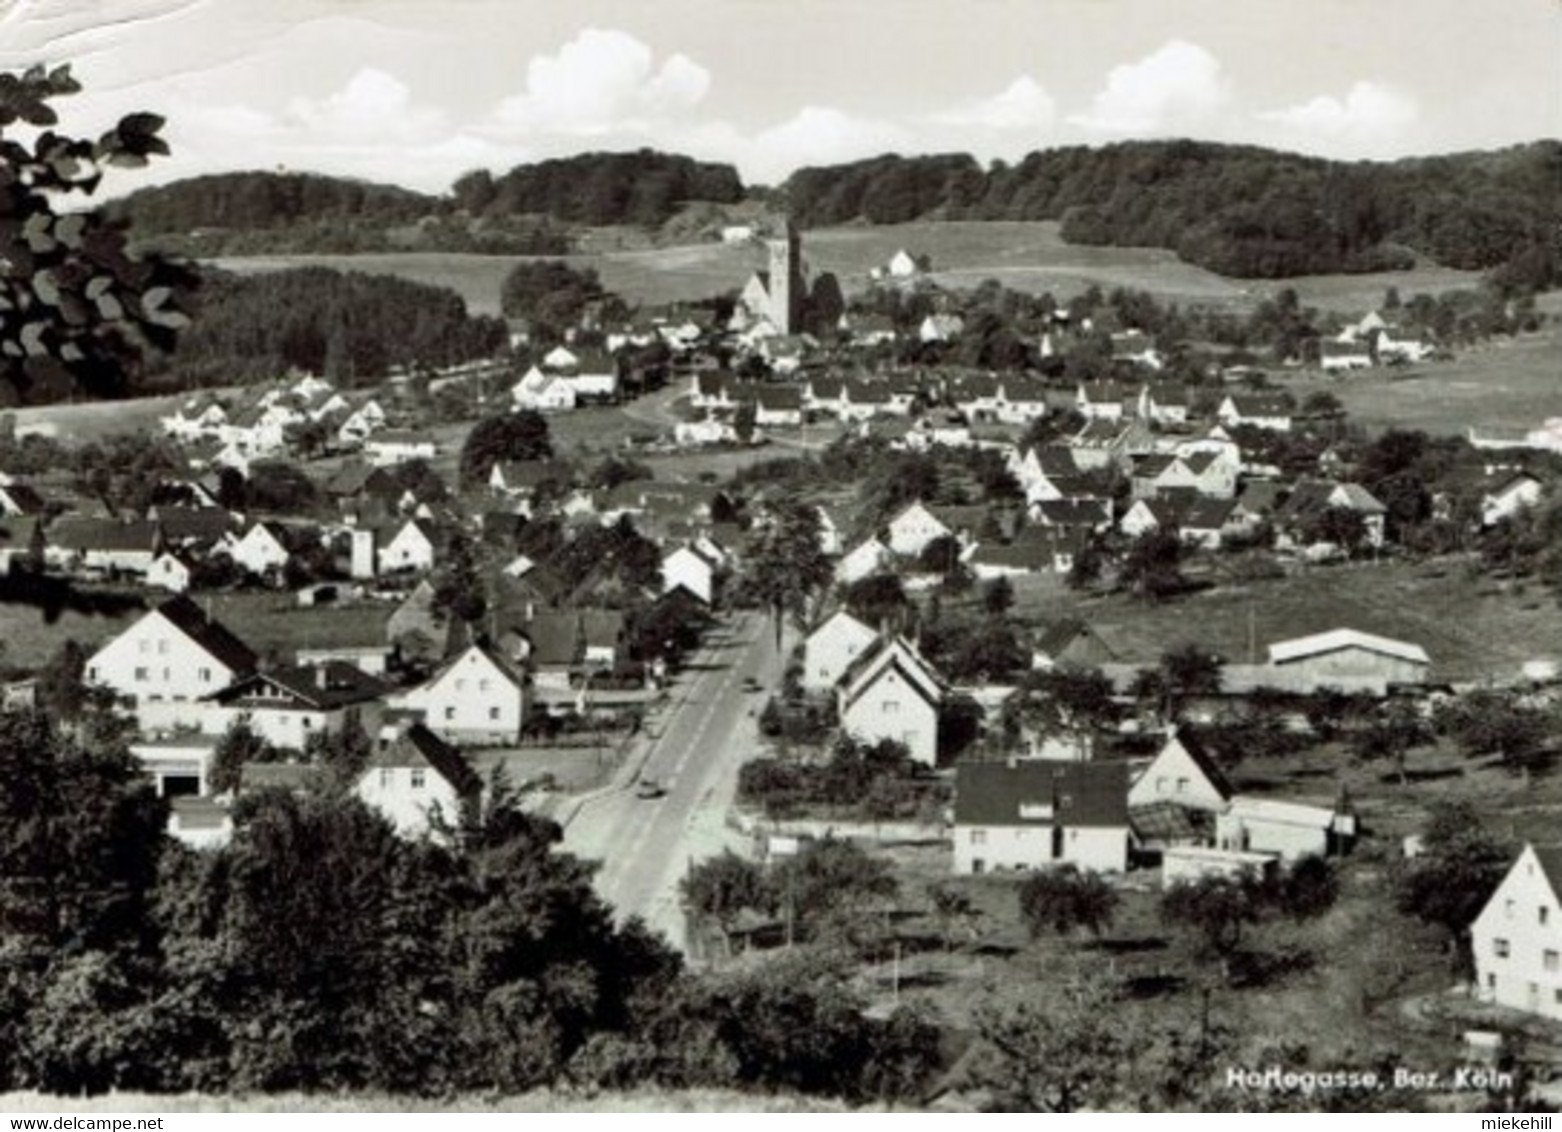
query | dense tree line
(350,327)
(1239,210)
(644,187)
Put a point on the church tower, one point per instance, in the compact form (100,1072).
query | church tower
(787,287)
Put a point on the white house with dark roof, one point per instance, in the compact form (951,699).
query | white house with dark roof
(174,653)
(911,531)
(259,549)
(1183,773)
(1033,814)
(420,783)
(1508,495)
(687,569)
(891,692)
(863,561)
(412,547)
(476,697)
(288,705)
(1516,941)
(1270,411)
(831,649)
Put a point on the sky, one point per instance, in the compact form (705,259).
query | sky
(417,92)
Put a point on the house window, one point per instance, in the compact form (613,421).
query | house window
(450,713)
(206,675)
(145,646)
(1500,948)
(142,675)
(1544,912)
(482,685)
(1160,784)
(978,837)
(385,777)
(1507,909)
(1182,786)
(1549,960)
(162,648)
(493,713)
(460,685)
(419,778)
(891,707)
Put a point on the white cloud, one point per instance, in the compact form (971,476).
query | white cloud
(1369,114)
(1176,87)
(601,81)
(373,105)
(815,135)
(1023,105)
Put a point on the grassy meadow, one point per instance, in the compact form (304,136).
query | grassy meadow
(1025,255)
(1471,628)
(1511,383)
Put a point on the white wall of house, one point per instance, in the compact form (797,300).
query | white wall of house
(1517,942)
(830,650)
(1173,776)
(472,701)
(409,797)
(153,660)
(913,529)
(893,708)
(409,549)
(168,573)
(984,849)
(684,568)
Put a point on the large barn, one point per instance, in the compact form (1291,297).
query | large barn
(1351,661)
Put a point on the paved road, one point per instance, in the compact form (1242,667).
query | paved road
(699,740)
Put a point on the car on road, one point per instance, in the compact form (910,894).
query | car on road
(649,788)
(750,684)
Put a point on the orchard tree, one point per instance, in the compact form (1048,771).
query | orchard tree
(1064,899)
(1459,868)
(78,312)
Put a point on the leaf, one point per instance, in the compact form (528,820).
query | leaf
(141,126)
(46,288)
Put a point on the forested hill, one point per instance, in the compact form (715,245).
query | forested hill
(1238,210)
(350,327)
(515,213)
(644,187)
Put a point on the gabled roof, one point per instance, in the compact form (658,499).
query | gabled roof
(1055,637)
(80,532)
(1201,756)
(884,655)
(25,498)
(194,524)
(417,746)
(1260,404)
(1550,858)
(1072,512)
(210,634)
(322,687)
(1085,795)
(556,639)
(1299,648)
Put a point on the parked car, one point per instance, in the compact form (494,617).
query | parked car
(649,788)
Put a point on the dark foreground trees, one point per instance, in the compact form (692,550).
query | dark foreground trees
(317,950)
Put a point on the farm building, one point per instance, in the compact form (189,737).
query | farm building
(1351,661)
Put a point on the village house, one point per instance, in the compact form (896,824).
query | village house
(477,698)
(170,571)
(862,561)
(832,648)
(422,785)
(399,446)
(890,692)
(1270,411)
(1341,356)
(1009,398)
(1516,941)
(544,392)
(1507,495)
(1165,404)
(1297,518)
(1104,400)
(940,328)
(1103,444)
(410,548)
(775,406)
(259,549)
(685,568)
(288,705)
(911,531)
(1136,348)
(1035,814)
(107,546)
(1183,772)
(1069,642)
(175,653)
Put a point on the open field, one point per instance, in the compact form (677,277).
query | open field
(78,422)
(1515,383)
(1026,255)
(1470,628)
